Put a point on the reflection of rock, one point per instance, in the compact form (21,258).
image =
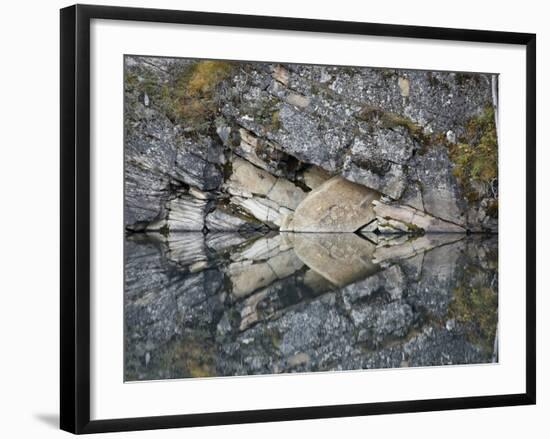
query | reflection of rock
(261,249)
(247,278)
(336,206)
(389,282)
(260,264)
(221,242)
(339,257)
(399,248)
(275,300)
(379,322)
(197,297)
(158,302)
(186,248)
(439,346)
(231,304)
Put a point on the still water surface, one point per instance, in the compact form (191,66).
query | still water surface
(225,304)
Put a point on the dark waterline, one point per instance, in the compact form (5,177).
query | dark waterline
(226,304)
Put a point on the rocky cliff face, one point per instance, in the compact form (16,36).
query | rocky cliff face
(225,146)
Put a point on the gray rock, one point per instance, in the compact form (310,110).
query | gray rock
(388,178)
(272,132)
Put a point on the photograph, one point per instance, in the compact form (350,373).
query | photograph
(261,220)
(298,218)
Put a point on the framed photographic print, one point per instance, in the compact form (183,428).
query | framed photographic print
(267,218)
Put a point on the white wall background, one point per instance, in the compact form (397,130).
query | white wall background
(29,249)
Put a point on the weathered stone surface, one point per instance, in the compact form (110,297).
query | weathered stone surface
(286,194)
(185,213)
(405,219)
(281,74)
(336,206)
(224,220)
(148,165)
(440,190)
(387,145)
(297,100)
(263,209)
(248,179)
(391,181)
(259,151)
(260,194)
(314,176)
(265,134)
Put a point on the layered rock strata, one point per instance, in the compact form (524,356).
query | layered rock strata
(218,146)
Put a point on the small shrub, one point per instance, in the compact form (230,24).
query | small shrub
(191,99)
(475,156)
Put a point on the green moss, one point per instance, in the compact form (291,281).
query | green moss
(191,355)
(144,82)
(190,99)
(275,121)
(475,156)
(378,167)
(476,308)
(492,209)
(266,112)
(432,79)
(462,78)
(388,119)
(275,337)
(130,81)
(414,229)
(388,73)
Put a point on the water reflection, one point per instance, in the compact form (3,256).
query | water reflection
(230,304)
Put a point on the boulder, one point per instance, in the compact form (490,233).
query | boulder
(338,205)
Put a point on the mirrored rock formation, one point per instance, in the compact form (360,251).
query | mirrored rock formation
(289,218)
(225,304)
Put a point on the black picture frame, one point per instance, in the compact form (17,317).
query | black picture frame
(75,217)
